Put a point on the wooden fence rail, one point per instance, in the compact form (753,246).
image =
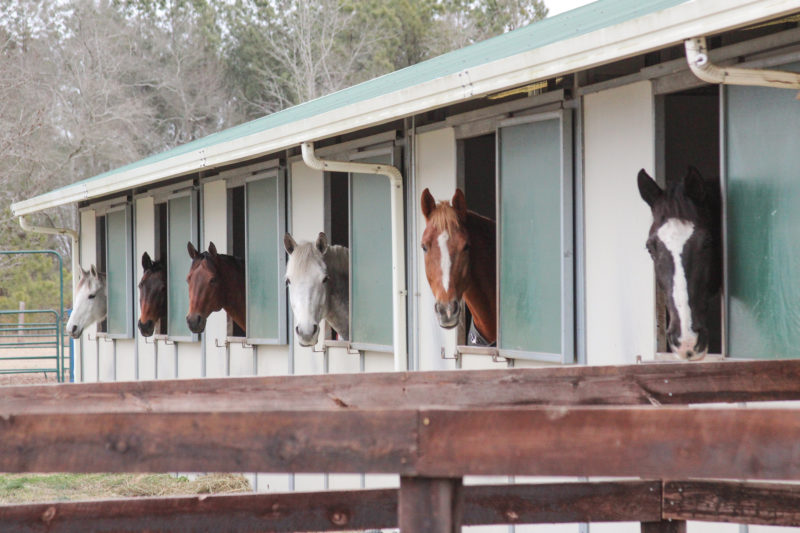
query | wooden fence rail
(615,501)
(643,384)
(433,429)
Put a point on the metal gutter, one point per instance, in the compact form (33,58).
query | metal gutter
(649,32)
(703,68)
(49,230)
(399,291)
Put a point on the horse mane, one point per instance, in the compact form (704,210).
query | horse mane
(444,218)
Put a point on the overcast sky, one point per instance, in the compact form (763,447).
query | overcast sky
(559,6)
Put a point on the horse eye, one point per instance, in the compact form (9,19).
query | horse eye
(91,296)
(325,279)
(424,249)
(213,281)
(466,247)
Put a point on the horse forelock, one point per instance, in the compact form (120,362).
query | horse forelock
(303,259)
(444,218)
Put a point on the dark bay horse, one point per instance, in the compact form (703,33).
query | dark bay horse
(684,242)
(152,295)
(216,281)
(460,250)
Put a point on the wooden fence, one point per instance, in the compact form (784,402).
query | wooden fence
(433,429)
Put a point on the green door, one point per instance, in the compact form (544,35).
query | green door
(761,159)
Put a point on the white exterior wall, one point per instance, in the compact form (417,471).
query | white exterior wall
(215,229)
(86,358)
(144,241)
(435,169)
(619,139)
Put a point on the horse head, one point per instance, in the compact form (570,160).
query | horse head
(152,295)
(684,248)
(206,292)
(90,301)
(446,245)
(307,278)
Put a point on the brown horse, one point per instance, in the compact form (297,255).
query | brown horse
(216,281)
(152,296)
(459,247)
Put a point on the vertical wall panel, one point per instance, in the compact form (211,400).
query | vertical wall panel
(144,241)
(308,219)
(620,284)
(435,170)
(118,271)
(215,216)
(86,354)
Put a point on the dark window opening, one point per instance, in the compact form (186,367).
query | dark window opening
(691,137)
(476,169)
(236,239)
(338,216)
(161,252)
(100,254)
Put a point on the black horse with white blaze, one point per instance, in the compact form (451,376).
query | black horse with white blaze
(684,243)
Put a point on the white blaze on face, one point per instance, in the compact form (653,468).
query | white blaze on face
(674,234)
(444,258)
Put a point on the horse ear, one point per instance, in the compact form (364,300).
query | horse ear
(212,250)
(648,188)
(322,243)
(147,263)
(288,243)
(93,270)
(694,185)
(192,250)
(428,203)
(459,203)
(84,273)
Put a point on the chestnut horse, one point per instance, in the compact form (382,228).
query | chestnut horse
(152,296)
(216,281)
(459,247)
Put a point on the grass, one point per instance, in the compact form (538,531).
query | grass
(28,488)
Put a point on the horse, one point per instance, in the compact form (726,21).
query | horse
(684,244)
(152,295)
(318,276)
(459,247)
(216,281)
(90,301)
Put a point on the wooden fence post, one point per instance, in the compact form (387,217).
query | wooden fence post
(429,505)
(664,526)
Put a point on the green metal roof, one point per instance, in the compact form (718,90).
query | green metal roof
(586,19)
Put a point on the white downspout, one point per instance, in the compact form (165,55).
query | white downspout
(57,231)
(701,66)
(399,291)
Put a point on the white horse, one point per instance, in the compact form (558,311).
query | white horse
(319,287)
(90,302)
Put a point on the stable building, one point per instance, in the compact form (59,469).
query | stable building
(545,129)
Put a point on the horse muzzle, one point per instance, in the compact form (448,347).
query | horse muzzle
(448,314)
(147,328)
(692,348)
(307,339)
(196,322)
(75,332)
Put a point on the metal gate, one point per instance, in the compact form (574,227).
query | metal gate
(35,342)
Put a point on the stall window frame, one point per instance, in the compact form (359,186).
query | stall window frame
(567,238)
(193,193)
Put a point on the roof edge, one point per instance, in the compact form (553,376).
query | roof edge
(649,32)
